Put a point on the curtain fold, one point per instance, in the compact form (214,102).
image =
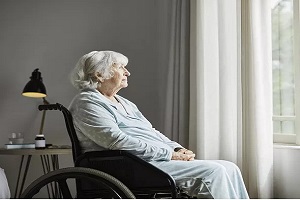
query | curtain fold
(230,87)
(257,97)
(214,80)
(176,120)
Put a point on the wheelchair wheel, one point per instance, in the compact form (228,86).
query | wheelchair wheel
(60,177)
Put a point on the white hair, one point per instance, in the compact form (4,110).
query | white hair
(84,73)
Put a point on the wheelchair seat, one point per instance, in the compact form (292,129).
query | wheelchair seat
(143,179)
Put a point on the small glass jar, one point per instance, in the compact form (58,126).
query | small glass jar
(40,142)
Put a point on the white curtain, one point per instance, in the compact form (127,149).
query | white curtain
(214,114)
(257,96)
(230,87)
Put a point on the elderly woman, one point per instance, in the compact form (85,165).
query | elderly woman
(105,120)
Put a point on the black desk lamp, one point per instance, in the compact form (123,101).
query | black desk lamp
(36,89)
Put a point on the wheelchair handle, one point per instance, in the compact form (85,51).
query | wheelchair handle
(56,106)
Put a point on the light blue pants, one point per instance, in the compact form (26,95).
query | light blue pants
(216,179)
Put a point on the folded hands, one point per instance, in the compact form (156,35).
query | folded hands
(183,154)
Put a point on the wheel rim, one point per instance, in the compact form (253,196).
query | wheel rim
(61,176)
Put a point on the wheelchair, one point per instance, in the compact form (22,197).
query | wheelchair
(106,174)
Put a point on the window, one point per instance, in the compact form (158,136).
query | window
(285,26)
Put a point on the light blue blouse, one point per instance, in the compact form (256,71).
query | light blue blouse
(101,124)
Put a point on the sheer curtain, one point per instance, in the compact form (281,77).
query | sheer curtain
(257,97)
(230,87)
(214,114)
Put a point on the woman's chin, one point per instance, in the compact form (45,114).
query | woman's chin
(125,85)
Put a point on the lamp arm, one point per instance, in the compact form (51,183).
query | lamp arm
(45,101)
(43,117)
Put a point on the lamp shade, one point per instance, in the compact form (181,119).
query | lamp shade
(35,87)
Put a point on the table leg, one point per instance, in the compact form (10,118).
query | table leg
(54,162)
(18,193)
(45,170)
(48,163)
(19,175)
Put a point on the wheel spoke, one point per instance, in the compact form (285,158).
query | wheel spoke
(66,194)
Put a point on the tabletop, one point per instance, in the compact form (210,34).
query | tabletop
(47,151)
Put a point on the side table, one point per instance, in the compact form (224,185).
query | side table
(49,160)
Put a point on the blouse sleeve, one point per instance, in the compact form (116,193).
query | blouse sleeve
(169,142)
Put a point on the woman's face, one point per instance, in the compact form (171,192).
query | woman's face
(119,80)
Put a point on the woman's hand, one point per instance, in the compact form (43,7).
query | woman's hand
(189,156)
(185,151)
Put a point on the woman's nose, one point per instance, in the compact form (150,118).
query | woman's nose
(127,73)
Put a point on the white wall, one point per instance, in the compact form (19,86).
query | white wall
(286,172)
(51,35)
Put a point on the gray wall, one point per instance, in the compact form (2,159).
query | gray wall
(51,35)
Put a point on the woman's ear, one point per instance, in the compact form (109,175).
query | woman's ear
(99,77)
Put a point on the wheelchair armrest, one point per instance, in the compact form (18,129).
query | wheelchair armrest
(126,167)
(106,154)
